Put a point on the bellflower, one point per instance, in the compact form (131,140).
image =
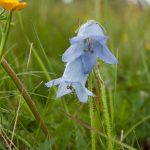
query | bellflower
(73,80)
(89,44)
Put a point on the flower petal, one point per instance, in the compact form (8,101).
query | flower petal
(74,72)
(76,39)
(100,39)
(62,90)
(73,52)
(106,55)
(53,82)
(88,92)
(88,60)
(12,4)
(82,92)
(90,28)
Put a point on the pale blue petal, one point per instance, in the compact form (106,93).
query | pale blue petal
(89,92)
(82,92)
(74,72)
(88,60)
(90,28)
(101,39)
(106,55)
(53,82)
(76,39)
(73,52)
(62,90)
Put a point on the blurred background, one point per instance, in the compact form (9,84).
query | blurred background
(38,38)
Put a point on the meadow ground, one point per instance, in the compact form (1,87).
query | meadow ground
(39,36)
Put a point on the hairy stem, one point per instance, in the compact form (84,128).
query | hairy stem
(106,116)
(92,117)
(106,112)
(93,135)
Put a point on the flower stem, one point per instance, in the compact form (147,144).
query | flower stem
(106,116)
(5,35)
(25,95)
(93,135)
(92,117)
(106,113)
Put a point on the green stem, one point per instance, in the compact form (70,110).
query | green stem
(106,116)
(93,135)
(25,95)
(92,117)
(106,112)
(5,35)
(111,107)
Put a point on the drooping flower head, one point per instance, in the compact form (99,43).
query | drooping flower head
(12,4)
(73,80)
(89,44)
(81,56)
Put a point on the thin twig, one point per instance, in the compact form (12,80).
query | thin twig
(4,135)
(5,140)
(78,121)
(15,124)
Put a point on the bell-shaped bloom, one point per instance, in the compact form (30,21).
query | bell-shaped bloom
(73,80)
(12,4)
(89,44)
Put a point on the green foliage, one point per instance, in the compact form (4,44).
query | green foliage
(47,145)
(63,134)
(38,37)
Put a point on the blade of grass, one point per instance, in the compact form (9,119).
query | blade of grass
(33,49)
(136,125)
(42,48)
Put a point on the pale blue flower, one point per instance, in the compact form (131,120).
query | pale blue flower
(73,80)
(89,44)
